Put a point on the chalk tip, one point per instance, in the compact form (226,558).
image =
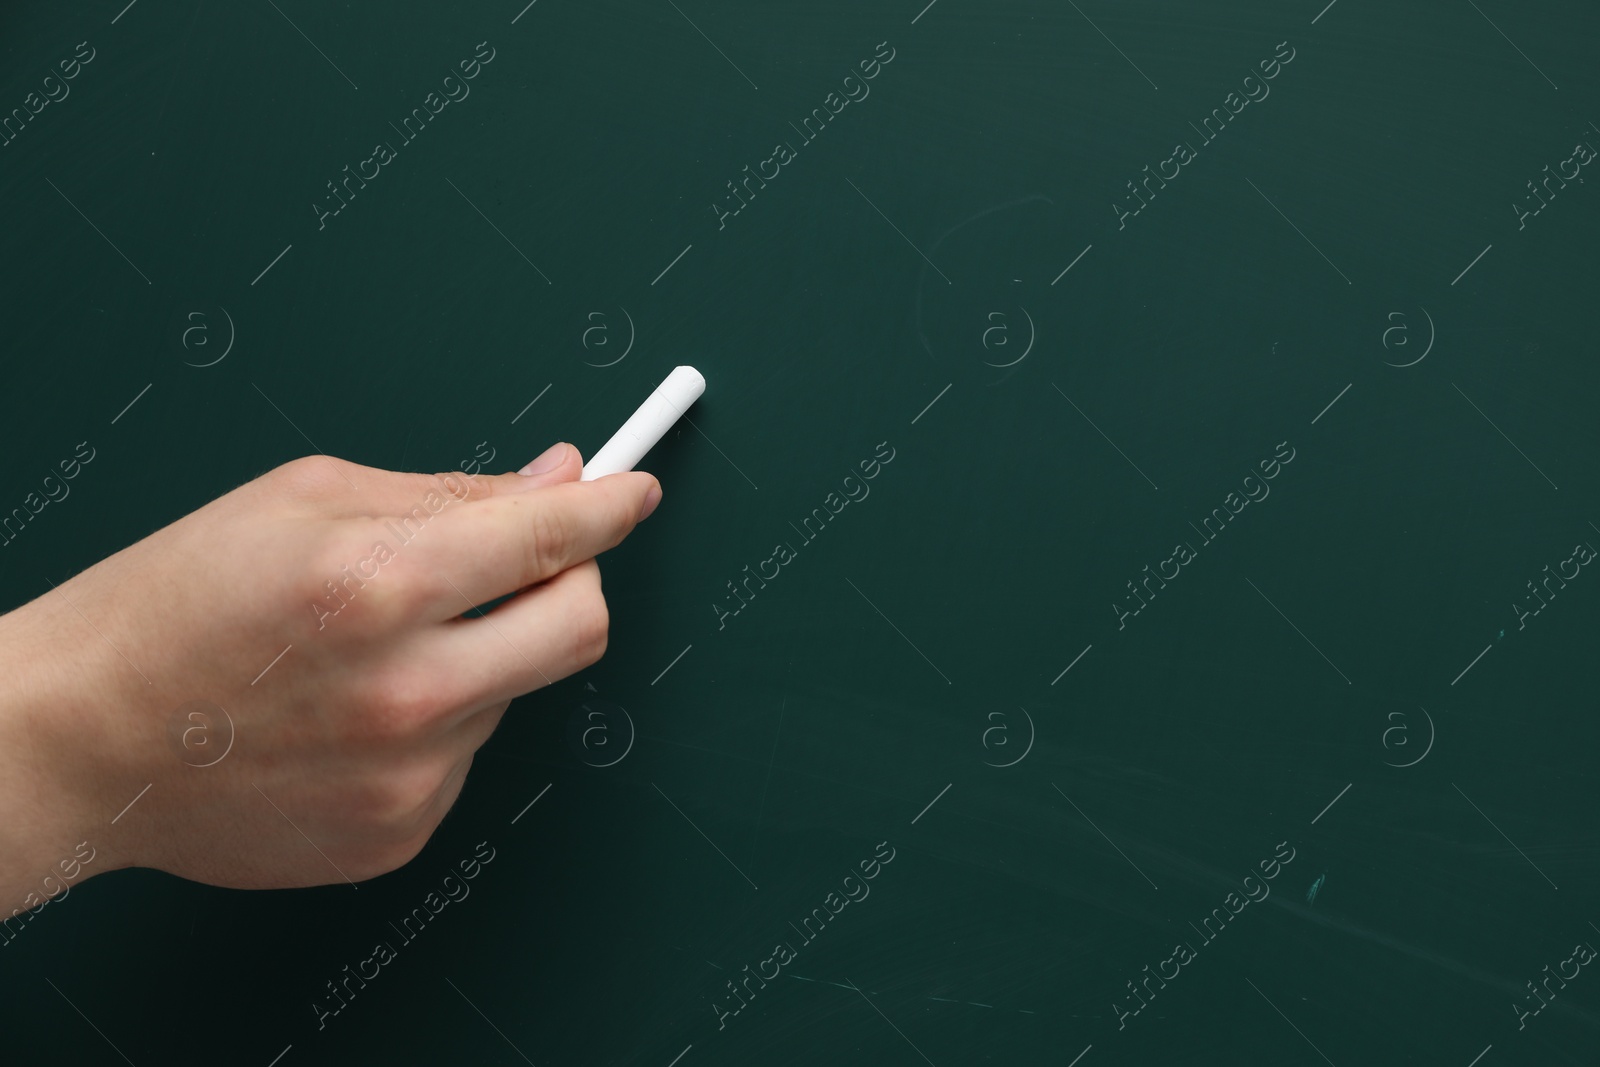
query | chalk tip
(686,374)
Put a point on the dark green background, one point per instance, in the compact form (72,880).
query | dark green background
(1197,338)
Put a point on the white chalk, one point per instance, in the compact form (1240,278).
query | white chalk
(647,425)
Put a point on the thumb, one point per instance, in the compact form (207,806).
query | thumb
(561,462)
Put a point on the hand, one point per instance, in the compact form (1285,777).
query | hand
(348,749)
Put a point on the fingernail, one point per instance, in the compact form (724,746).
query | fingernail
(651,499)
(548,460)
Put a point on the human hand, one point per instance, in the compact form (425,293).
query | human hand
(350,746)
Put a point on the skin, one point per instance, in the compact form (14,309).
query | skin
(360,737)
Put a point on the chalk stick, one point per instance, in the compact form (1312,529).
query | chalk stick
(647,425)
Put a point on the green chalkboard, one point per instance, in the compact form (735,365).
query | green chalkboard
(1123,596)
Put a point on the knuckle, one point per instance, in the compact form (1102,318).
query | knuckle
(385,598)
(310,475)
(547,541)
(592,628)
(392,804)
(327,554)
(370,806)
(359,575)
(396,706)
(462,486)
(332,589)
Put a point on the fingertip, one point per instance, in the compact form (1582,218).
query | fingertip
(648,488)
(561,462)
(641,486)
(652,498)
(551,460)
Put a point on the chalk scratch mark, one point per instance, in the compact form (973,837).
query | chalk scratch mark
(1311,894)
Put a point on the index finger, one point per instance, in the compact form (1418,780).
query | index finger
(497,546)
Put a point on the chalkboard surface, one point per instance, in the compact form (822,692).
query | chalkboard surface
(1124,596)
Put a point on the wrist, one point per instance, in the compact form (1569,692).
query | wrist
(52,835)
